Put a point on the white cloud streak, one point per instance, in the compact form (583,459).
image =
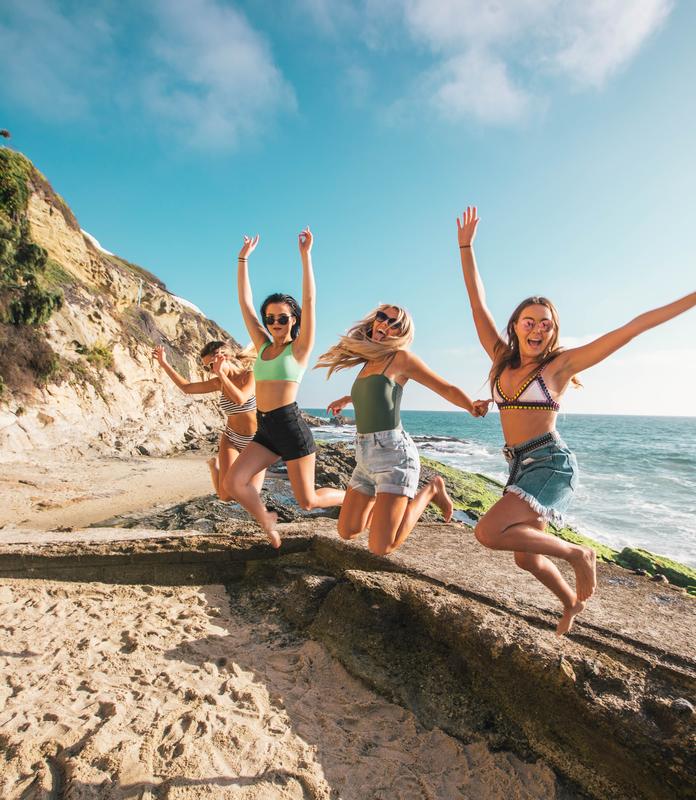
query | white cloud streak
(214,73)
(488,52)
(197,68)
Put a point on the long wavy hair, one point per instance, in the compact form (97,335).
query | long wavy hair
(507,353)
(241,358)
(295,310)
(356,346)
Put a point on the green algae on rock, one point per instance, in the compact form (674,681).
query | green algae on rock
(475,494)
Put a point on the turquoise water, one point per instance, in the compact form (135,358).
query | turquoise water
(637,474)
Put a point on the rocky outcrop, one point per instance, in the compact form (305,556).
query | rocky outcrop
(107,392)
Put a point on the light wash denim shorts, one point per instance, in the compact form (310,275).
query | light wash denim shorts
(386,461)
(544,472)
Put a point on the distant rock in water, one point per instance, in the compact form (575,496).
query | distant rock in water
(76,337)
(316,422)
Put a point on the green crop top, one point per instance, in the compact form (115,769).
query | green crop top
(377,402)
(283,367)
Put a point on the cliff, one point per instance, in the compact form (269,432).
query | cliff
(77,327)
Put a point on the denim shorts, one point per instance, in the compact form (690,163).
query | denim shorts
(545,475)
(386,461)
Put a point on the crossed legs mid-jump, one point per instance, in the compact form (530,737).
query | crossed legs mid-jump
(390,518)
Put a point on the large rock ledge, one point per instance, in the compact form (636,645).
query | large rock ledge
(452,632)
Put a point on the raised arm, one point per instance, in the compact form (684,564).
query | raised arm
(305,338)
(187,387)
(577,359)
(410,366)
(237,394)
(483,319)
(246,300)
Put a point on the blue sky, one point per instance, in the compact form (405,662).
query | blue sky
(174,128)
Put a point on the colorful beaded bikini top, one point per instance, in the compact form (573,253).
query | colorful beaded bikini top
(532,395)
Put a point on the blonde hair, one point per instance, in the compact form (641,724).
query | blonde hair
(356,346)
(241,358)
(507,353)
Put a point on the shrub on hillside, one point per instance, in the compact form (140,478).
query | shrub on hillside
(24,300)
(26,359)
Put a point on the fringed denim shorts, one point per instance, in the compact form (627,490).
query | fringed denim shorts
(544,473)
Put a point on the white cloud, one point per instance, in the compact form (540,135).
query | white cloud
(50,60)
(214,74)
(476,85)
(198,68)
(597,37)
(489,52)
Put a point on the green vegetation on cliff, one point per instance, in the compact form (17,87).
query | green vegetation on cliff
(27,299)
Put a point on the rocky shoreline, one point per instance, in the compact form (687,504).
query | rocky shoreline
(473,494)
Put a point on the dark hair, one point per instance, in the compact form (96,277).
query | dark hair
(278,297)
(211,347)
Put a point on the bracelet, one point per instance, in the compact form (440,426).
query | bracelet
(462,246)
(242,259)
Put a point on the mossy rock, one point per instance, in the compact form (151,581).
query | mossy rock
(678,574)
(470,492)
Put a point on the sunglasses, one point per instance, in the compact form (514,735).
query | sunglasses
(392,322)
(281,319)
(544,325)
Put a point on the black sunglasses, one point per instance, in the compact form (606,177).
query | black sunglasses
(281,319)
(392,322)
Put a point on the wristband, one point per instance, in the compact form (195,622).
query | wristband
(462,246)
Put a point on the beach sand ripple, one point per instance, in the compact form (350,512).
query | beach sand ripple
(115,692)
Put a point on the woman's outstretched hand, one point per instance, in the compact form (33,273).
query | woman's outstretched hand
(159,355)
(466,227)
(337,406)
(249,246)
(480,408)
(305,241)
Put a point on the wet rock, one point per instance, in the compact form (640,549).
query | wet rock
(683,707)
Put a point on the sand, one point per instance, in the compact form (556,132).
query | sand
(54,492)
(146,692)
(140,692)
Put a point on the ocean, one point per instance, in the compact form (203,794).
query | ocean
(637,474)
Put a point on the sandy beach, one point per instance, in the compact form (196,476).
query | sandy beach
(117,692)
(55,492)
(141,692)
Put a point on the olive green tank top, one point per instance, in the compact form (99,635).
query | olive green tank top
(377,402)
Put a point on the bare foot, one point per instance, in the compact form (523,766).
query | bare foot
(441,499)
(568,618)
(585,566)
(268,526)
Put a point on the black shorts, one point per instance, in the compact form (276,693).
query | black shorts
(283,431)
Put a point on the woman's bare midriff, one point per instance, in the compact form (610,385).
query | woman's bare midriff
(521,425)
(244,424)
(275,394)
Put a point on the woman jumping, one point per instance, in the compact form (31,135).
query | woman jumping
(280,364)
(382,493)
(234,380)
(528,377)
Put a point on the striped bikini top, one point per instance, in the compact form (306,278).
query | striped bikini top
(532,395)
(229,407)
